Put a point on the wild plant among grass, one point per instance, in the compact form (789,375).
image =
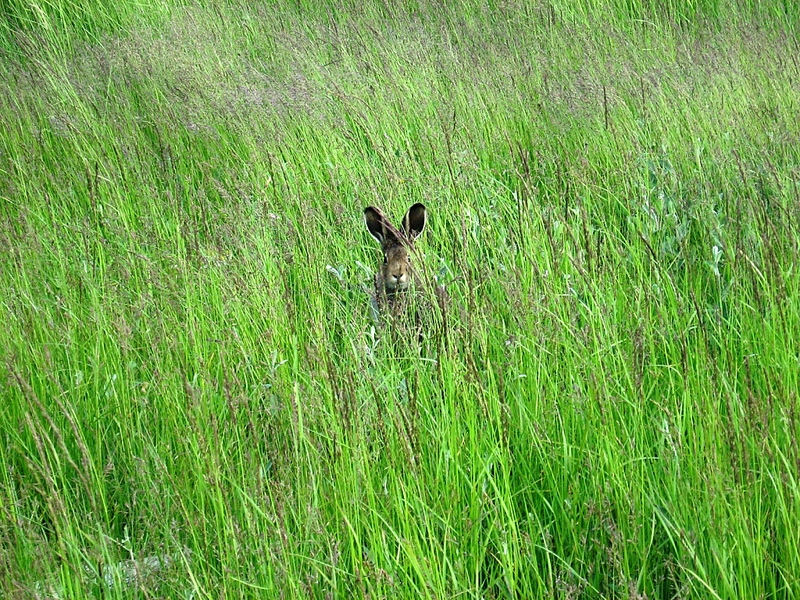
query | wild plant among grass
(196,402)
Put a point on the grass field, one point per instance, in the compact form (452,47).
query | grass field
(197,401)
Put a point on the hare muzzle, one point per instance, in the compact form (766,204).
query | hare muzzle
(396,271)
(396,282)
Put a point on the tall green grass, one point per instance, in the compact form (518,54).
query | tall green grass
(197,401)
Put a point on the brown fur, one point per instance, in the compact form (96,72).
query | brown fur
(395,275)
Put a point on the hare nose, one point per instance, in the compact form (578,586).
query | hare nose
(398,277)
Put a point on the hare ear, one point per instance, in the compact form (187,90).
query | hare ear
(414,221)
(375,220)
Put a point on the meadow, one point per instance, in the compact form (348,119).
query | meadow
(196,400)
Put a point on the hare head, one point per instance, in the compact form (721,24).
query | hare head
(395,274)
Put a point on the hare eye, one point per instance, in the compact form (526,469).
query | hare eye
(385,259)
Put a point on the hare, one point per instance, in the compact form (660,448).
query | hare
(395,275)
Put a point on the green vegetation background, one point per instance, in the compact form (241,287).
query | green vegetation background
(196,402)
